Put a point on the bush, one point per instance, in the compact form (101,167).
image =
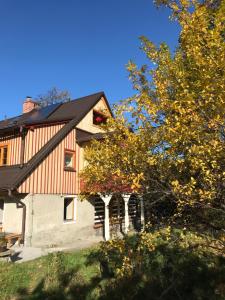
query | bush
(164,264)
(3,243)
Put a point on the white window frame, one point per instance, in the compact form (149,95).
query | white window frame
(74,197)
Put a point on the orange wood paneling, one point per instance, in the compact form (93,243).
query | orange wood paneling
(14,143)
(50,177)
(34,141)
(37,138)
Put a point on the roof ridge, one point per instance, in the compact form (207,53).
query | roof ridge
(50,113)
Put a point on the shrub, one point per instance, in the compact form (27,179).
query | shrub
(168,263)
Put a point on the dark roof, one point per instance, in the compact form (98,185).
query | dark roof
(74,111)
(84,136)
(8,175)
(52,113)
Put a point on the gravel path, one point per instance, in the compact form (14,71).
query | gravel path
(23,253)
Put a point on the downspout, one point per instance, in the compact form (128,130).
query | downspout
(23,220)
(31,218)
(23,215)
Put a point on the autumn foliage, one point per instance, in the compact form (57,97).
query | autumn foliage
(175,151)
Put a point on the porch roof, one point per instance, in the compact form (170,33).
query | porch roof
(8,175)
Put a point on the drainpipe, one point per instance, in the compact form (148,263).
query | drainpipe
(31,218)
(23,220)
(23,215)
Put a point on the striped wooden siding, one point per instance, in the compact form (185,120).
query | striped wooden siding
(34,141)
(50,177)
(37,138)
(14,142)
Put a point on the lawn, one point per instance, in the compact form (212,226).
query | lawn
(171,270)
(56,276)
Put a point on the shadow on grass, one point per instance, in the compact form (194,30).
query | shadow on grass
(169,275)
(62,291)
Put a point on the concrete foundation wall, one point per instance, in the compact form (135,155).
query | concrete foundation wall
(45,225)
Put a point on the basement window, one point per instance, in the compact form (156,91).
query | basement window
(4,153)
(69,160)
(69,209)
(99,118)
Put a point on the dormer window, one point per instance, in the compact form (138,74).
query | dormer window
(99,118)
(4,155)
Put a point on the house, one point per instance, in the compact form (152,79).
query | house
(41,155)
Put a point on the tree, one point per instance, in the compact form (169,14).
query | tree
(175,152)
(54,95)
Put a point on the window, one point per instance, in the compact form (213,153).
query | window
(69,160)
(99,118)
(4,155)
(69,209)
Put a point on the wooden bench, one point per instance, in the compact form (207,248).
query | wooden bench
(11,237)
(7,255)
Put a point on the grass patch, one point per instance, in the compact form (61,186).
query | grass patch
(49,277)
(179,267)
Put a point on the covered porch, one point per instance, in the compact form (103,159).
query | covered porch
(117,214)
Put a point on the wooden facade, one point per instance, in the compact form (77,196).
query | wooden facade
(36,138)
(14,147)
(50,177)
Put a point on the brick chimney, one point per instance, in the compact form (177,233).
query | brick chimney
(29,105)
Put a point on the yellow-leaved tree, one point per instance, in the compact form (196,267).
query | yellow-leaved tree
(167,141)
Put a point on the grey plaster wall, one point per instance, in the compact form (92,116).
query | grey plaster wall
(45,226)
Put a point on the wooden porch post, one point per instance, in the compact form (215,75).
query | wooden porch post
(142,213)
(106,200)
(126,198)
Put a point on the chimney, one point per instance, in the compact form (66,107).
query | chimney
(29,105)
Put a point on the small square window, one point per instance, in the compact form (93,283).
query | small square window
(69,160)
(69,209)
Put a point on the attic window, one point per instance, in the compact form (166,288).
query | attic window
(69,160)
(99,118)
(4,155)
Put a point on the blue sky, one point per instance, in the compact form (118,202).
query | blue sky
(78,45)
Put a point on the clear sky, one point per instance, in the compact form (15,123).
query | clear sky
(78,45)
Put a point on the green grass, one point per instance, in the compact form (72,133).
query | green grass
(56,276)
(169,272)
